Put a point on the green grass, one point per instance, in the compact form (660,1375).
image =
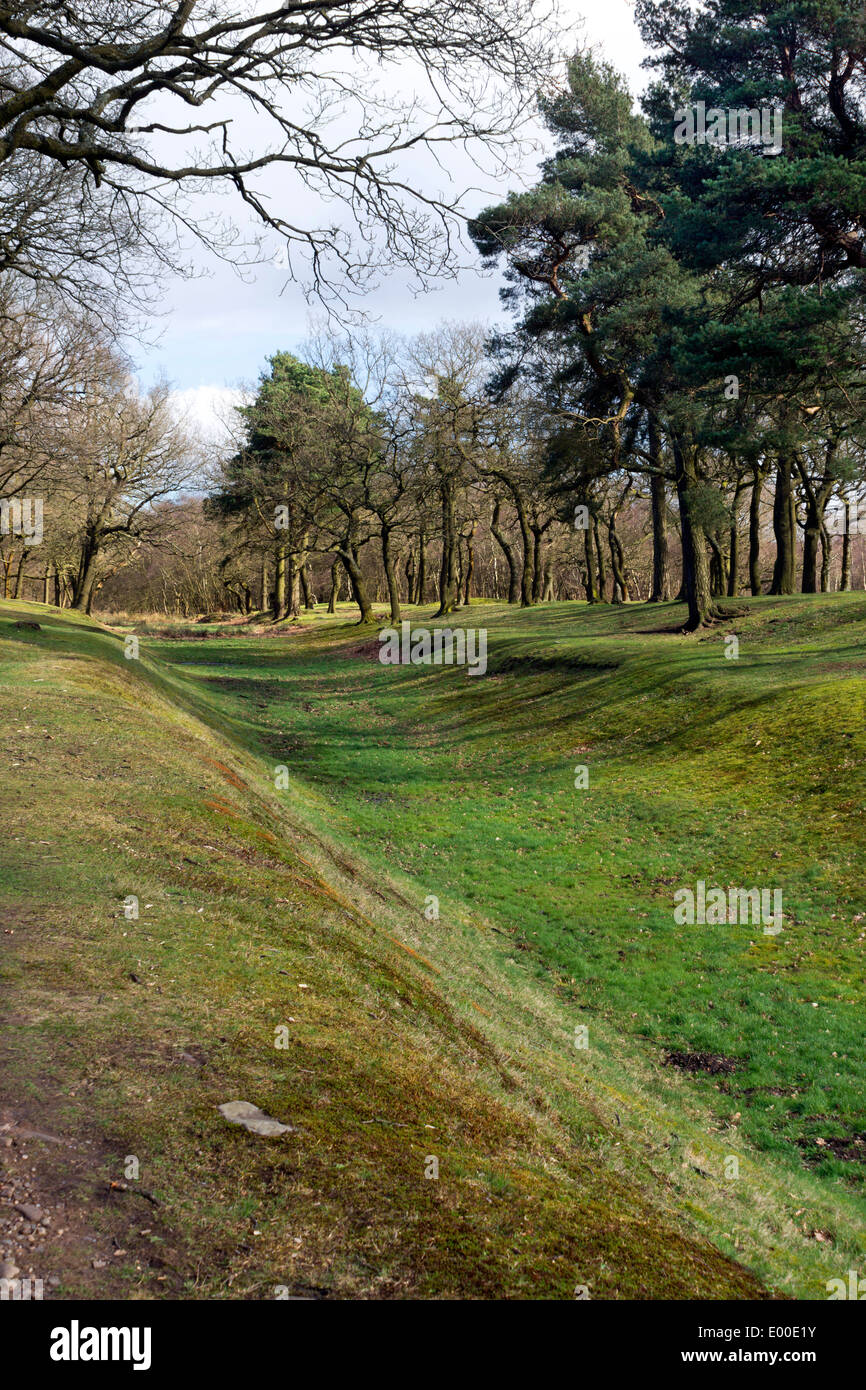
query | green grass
(561,1166)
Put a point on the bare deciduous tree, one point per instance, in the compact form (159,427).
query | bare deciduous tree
(148,97)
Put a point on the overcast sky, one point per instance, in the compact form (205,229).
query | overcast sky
(217,329)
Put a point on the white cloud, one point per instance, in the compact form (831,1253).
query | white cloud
(208,409)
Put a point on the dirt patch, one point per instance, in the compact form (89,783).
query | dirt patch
(225,808)
(367,651)
(850,1150)
(710,1062)
(227,773)
(80,1229)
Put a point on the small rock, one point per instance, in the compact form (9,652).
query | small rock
(241,1112)
(8,1270)
(29,1212)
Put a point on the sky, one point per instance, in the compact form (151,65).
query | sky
(213,332)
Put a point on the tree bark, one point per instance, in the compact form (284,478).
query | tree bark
(470,563)
(591,586)
(811,541)
(280,605)
(349,557)
(755,531)
(293,584)
(335,587)
(658,500)
(449,579)
(658,495)
(508,551)
(421,577)
(825,558)
(526,537)
(410,576)
(309,596)
(617,559)
(718,565)
(83,586)
(734,548)
(390,574)
(696,571)
(537,562)
(845,577)
(784,529)
(19,577)
(599,552)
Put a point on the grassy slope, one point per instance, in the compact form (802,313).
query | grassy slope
(745,772)
(120,1037)
(557,1166)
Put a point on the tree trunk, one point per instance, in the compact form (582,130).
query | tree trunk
(825,558)
(508,551)
(293,585)
(784,529)
(718,566)
(470,563)
(335,587)
(280,605)
(696,571)
(620,584)
(410,576)
(591,586)
(19,577)
(449,579)
(599,552)
(537,563)
(309,596)
(845,577)
(658,498)
(815,531)
(526,537)
(359,589)
(421,577)
(734,561)
(811,541)
(734,549)
(658,494)
(390,574)
(83,586)
(755,532)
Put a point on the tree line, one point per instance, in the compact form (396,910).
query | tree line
(676,410)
